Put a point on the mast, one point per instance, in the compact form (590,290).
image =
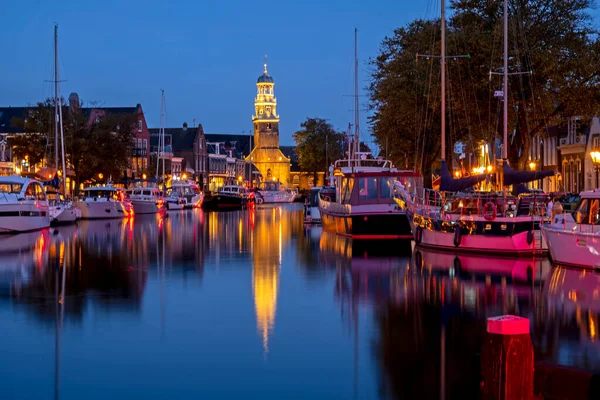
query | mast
(356,147)
(162,128)
(56,97)
(505,85)
(58,104)
(443,66)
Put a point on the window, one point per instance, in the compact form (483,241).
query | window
(367,189)
(268,125)
(385,188)
(268,109)
(39,192)
(145,144)
(139,143)
(30,192)
(139,125)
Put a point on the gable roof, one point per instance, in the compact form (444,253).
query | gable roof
(241,143)
(180,139)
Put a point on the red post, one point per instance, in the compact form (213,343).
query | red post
(507,359)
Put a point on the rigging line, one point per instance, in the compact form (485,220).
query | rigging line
(521,86)
(428,112)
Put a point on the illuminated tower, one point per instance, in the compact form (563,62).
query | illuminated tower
(266,155)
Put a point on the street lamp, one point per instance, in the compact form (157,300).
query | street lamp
(596,160)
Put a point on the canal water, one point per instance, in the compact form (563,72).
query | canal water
(253,304)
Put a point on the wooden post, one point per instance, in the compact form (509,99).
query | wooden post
(507,359)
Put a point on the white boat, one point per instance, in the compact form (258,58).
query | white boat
(272,192)
(173,201)
(102,202)
(574,238)
(189,192)
(311,207)
(61,211)
(23,205)
(146,200)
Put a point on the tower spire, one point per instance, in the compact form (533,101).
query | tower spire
(265,65)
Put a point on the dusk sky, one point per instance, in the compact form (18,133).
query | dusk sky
(206,55)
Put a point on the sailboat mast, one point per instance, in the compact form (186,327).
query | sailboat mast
(356,119)
(60,116)
(162,128)
(505,85)
(56,97)
(443,67)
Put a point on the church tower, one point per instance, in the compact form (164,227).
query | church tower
(266,155)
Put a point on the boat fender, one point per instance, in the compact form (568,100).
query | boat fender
(418,234)
(489,211)
(457,236)
(529,237)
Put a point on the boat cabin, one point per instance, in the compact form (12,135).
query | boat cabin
(184,189)
(143,193)
(233,190)
(271,186)
(588,209)
(18,188)
(108,192)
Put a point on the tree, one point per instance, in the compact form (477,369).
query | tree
(38,129)
(318,145)
(551,38)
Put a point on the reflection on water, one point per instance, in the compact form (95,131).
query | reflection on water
(248,303)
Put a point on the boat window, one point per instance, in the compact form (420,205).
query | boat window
(11,188)
(147,193)
(30,192)
(367,188)
(594,212)
(348,191)
(581,213)
(385,188)
(39,192)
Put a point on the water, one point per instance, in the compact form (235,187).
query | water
(252,304)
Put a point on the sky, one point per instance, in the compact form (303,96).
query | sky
(205,54)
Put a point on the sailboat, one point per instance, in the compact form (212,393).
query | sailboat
(61,211)
(363,207)
(482,223)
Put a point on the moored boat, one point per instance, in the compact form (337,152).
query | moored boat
(364,206)
(228,197)
(104,202)
(272,192)
(574,238)
(62,212)
(23,205)
(189,192)
(146,200)
(311,207)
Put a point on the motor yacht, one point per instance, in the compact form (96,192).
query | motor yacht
(272,192)
(103,202)
(146,200)
(62,212)
(23,205)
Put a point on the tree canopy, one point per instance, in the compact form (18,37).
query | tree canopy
(318,145)
(552,39)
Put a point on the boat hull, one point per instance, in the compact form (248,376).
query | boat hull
(102,209)
(312,215)
(62,215)
(174,206)
(144,207)
(277,197)
(516,244)
(221,202)
(15,218)
(576,249)
(368,226)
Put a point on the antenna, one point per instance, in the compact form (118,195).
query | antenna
(265,70)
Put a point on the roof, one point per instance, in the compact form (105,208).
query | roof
(11,118)
(241,143)
(15,179)
(265,78)
(180,139)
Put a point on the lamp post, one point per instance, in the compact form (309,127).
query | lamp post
(532,167)
(596,160)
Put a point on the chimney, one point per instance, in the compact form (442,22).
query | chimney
(73,101)
(185,126)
